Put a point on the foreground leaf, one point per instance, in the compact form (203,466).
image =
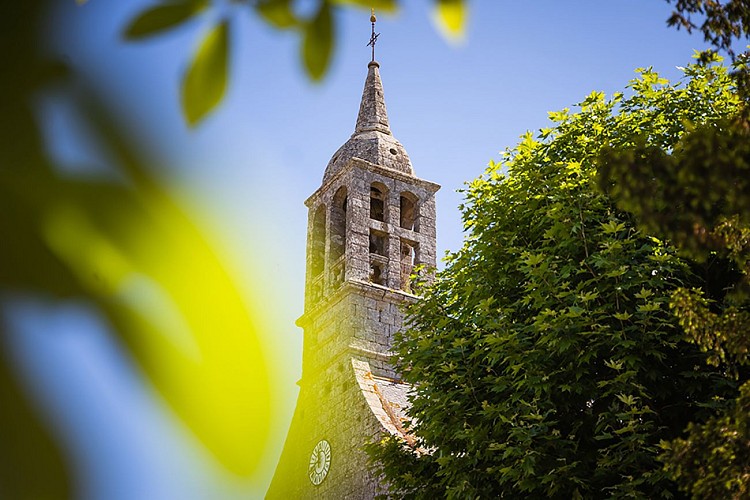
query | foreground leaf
(205,82)
(318,43)
(451,18)
(161,18)
(277,13)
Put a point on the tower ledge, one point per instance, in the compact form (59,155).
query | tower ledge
(364,288)
(357,162)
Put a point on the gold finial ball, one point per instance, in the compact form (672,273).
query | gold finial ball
(372,16)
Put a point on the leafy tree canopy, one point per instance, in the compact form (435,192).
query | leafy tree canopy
(696,194)
(545,358)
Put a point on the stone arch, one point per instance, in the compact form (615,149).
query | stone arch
(318,242)
(409,211)
(378,196)
(338,224)
(409,259)
(378,273)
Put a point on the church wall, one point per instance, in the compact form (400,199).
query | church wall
(331,404)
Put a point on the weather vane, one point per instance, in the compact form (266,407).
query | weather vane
(374,36)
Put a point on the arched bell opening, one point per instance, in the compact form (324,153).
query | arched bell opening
(378,193)
(409,211)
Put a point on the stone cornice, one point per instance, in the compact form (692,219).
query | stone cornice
(364,288)
(431,187)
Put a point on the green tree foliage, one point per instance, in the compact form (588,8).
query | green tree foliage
(697,194)
(713,460)
(721,21)
(545,358)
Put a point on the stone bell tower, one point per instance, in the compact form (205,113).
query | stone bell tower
(370,223)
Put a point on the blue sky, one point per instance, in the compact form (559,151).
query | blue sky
(246,171)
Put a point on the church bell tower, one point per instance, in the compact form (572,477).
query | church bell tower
(370,223)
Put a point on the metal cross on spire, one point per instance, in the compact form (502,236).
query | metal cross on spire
(374,36)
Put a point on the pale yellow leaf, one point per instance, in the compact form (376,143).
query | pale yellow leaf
(450,17)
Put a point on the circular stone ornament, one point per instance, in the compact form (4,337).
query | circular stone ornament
(320,462)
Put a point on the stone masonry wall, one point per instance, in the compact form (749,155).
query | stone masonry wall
(351,315)
(331,405)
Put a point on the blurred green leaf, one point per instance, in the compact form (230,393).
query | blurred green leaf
(277,13)
(31,465)
(130,251)
(205,82)
(318,42)
(32,462)
(162,17)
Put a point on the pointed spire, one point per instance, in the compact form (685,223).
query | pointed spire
(372,114)
(372,140)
